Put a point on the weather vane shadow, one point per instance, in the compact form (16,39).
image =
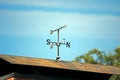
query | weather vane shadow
(58,43)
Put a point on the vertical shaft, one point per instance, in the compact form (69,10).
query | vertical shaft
(58,45)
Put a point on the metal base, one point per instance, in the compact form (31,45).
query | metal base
(57,58)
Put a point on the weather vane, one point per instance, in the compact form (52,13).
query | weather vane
(49,42)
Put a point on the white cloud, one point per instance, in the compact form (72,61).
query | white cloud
(38,23)
(111,6)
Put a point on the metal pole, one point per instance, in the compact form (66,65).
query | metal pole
(58,45)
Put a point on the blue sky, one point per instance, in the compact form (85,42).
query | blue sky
(25,26)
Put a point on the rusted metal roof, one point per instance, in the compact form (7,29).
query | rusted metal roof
(60,64)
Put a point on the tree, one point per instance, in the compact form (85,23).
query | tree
(117,56)
(93,56)
(87,58)
(109,59)
(96,56)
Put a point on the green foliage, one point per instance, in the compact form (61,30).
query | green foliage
(89,57)
(117,56)
(96,56)
(114,77)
